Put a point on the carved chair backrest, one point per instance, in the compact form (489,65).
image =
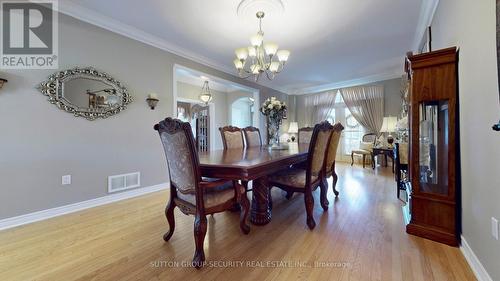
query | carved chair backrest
(252,136)
(370,137)
(334,143)
(305,134)
(317,148)
(182,157)
(232,137)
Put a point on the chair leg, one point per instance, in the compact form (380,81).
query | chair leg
(245,207)
(200,229)
(245,184)
(309,202)
(334,185)
(323,191)
(237,207)
(352,158)
(169,213)
(289,195)
(364,157)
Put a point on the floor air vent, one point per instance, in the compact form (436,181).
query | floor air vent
(123,182)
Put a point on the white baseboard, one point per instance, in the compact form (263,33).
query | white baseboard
(71,208)
(475,264)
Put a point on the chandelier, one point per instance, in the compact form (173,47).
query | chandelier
(205,95)
(261,57)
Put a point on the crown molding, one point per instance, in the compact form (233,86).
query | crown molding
(427,12)
(75,10)
(348,83)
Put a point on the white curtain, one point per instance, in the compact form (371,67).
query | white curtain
(366,104)
(319,106)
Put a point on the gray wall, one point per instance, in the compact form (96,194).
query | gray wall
(470,25)
(392,100)
(39,143)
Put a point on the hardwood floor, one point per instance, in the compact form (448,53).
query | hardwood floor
(360,237)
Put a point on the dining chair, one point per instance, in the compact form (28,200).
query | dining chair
(365,147)
(305,135)
(331,154)
(252,136)
(305,181)
(192,194)
(232,137)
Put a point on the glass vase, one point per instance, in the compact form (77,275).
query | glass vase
(274,132)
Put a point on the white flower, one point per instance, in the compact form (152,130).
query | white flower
(270,106)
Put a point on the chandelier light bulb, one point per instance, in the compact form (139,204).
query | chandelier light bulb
(238,64)
(270,48)
(274,66)
(256,40)
(252,52)
(241,53)
(283,55)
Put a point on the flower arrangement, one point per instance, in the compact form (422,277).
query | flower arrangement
(274,108)
(275,111)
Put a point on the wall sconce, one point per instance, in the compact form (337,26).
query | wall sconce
(152,100)
(2,81)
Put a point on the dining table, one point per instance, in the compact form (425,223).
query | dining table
(254,164)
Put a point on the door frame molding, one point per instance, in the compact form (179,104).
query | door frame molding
(211,115)
(256,96)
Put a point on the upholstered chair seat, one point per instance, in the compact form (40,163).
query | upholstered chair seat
(362,151)
(294,177)
(213,196)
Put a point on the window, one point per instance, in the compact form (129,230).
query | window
(353,131)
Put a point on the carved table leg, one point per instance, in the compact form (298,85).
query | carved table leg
(261,213)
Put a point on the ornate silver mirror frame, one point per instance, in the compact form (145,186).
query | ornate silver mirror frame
(106,95)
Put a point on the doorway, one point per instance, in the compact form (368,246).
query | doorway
(187,87)
(199,116)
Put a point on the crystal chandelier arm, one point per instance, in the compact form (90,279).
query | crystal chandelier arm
(243,73)
(269,76)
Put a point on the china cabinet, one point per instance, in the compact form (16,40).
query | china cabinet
(434,146)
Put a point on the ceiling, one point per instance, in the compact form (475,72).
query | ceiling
(196,78)
(331,41)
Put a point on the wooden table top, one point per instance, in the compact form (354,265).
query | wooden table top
(249,163)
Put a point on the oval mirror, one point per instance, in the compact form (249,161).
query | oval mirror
(86,92)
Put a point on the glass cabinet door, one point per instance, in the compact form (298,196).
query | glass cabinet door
(433,147)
